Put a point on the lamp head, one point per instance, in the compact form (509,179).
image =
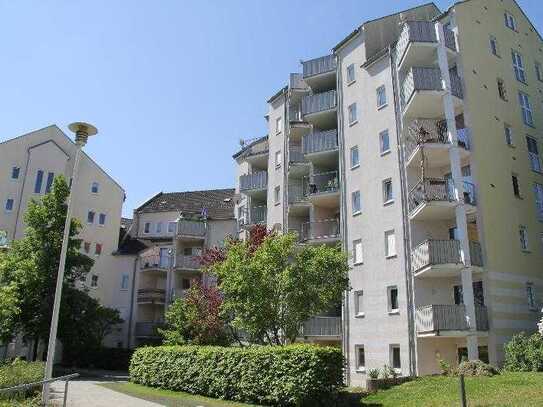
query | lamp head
(82,132)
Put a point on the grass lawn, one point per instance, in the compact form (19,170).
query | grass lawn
(507,389)
(170,398)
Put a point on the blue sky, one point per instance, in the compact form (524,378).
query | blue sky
(171,85)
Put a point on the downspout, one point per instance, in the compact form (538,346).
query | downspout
(132,300)
(286,157)
(409,283)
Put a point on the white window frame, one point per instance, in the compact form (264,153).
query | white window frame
(526,109)
(538,71)
(397,369)
(530,295)
(278,159)
(356,198)
(100,217)
(352,114)
(277,195)
(13,170)
(381,93)
(354,149)
(8,210)
(93,216)
(147,228)
(125,278)
(351,74)
(523,238)
(390,244)
(510,21)
(385,186)
(95,185)
(494,48)
(278,125)
(509,137)
(359,304)
(358,252)
(359,368)
(533,156)
(381,142)
(390,309)
(538,196)
(518,66)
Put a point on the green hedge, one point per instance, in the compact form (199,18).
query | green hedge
(298,375)
(20,372)
(524,353)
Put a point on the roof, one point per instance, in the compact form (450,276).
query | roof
(128,245)
(219,203)
(249,145)
(279,93)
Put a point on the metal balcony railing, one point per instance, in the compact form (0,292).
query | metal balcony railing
(321,183)
(414,31)
(153,295)
(423,131)
(431,189)
(295,113)
(319,66)
(296,82)
(259,214)
(191,228)
(296,192)
(456,85)
(254,181)
(319,102)
(154,261)
(295,154)
(187,262)
(320,141)
(450,41)
(427,79)
(322,326)
(254,146)
(148,329)
(435,252)
(323,229)
(444,317)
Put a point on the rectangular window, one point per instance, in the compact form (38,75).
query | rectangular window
(508,135)
(147,227)
(523,236)
(98,249)
(360,358)
(277,195)
(530,294)
(353,118)
(501,89)
(278,124)
(277,159)
(171,227)
(533,154)
(90,216)
(526,107)
(390,243)
(538,72)
(9,205)
(39,181)
(125,278)
(395,357)
(510,21)
(102,219)
(95,187)
(516,185)
(355,158)
(94,281)
(388,196)
(49,182)
(158,227)
(384,142)
(15,171)
(494,45)
(518,66)
(350,74)
(392,299)
(355,200)
(358,303)
(86,247)
(538,193)
(381,96)
(357,252)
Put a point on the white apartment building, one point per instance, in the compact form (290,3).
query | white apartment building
(416,145)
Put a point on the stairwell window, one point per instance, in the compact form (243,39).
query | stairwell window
(533,154)
(360,358)
(125,279)
(390,244)
(526,107)
(530,294)
(39,182)
(508,135)
(516,185)
(355,157)
(381,97)
(15,172)
(494,46)
(278,125)
(395,357)
(353,118)
(510,21)
(538,72)
(355,200)
(350,74)
(9,205)
(392,295)
(523,237)
(277,195)
(384,142)
(357,252)
(95,187)
(388,196)
(278,159)
(359,303)
(501,89)
(518,66)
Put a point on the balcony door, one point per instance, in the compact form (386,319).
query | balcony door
(478,294)
(164,257)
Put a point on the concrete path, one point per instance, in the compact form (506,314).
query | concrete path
(87,393)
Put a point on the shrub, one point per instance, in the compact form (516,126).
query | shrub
(103,358)
(20,372)
(524,353)
(475,368)
(301,375)
(373,373)
(445,367)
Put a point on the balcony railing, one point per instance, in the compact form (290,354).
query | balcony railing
(319,102)
(254,147)
(153,295)
(319,66)
(254,181)
(296,82)
(426,131)
(437,252)
(187,262)
(437,318)
(191,228)
(414,31)
(322,183)
(295,154)
(450,41)
(154,261)
(296,192)
(456,85)
(322,326)
(320,141)
(427,79)
(324,229)
(431,189)
(295,113)
(148,329)
(470,197)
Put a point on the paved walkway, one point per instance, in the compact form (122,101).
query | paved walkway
(87,393)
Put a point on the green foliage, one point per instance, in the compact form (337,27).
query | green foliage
(524,353)
(373,373)
(445,367)
(272,287)
(20,372)
(297,375)
(475,368)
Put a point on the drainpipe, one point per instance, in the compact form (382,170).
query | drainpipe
(132,300)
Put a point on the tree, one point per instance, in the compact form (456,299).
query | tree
(271,285)
(196,318)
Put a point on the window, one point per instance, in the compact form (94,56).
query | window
(516,186)
(15,171)
(86,247)
(124,281)
(360,358)
(277,195)
(277,159)
(390,243)
(501,89)
(355,157)
(538,192)
(278,124)
(39,181)
(526,108)
(355,200)
(95,187)
(357,252)
(102,219)
(98,249)
(358,303)
(392,299)
(185,284)
(350,74)
(533,154)
(94,281)
(49,182)
(494,45)
(510,21)
(388,197)
(523,236)
(384,142)
(158,227)
(518,67)
(538,72)
(508,135)
(395,357)
(530,294)
(381,96)
(9,205)
(147,227)
(90,216)
(353,118)
(171,227)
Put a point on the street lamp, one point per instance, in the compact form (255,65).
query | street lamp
(82,132)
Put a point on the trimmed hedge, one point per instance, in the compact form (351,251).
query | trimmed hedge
(297,375)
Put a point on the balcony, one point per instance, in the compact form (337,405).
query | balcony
(255,151)
(148,329)
(321,147)
(421,92)
(442,258)
(152,296)
(320,109)
(418,41)
(191,229)
(448,320)
(154,262)
(320,73)
(256,216)
(323,231)
(185,262)
(431,199)
(322,327)
(298,164)
(297,83)
(255,184)
(322,189)
(431,135)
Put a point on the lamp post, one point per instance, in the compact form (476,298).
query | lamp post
(82,132)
